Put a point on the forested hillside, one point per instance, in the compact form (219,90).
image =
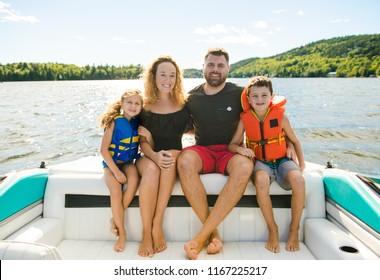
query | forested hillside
(349,56)
(56,71)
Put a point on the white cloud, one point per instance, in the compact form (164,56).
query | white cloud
(122,40)
(260,25)
(10,15)
(339,20)
(280,11)
(300,13)
(228,35)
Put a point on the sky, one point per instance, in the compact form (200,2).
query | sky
(124,32)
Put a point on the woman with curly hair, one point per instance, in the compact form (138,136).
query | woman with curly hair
(167,119)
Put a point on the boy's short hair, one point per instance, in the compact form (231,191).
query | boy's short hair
(218,52)
(260,81)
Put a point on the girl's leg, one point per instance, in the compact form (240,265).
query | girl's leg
(116,195)
(297,182)
(262,183)
(148,191)
(167,181)
(133,180)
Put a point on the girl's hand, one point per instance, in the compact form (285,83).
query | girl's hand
(144,132)
(120,177)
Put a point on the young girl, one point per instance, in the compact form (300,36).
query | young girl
(119,149)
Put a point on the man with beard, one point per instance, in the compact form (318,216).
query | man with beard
(215,107)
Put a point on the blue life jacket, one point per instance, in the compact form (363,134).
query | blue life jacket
(125,140)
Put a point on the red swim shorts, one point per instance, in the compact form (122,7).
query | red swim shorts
(214,157)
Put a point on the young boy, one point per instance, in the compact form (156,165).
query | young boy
(266,125)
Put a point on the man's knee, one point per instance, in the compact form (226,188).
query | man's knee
(240,166)
(188,161)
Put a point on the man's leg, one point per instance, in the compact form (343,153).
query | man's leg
(189,167)
(239,169)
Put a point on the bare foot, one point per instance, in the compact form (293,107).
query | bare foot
(192,250)
(120,243)
(159,240)
(146,247)
(215,245)
(293,243)
(113,228)
(273,244)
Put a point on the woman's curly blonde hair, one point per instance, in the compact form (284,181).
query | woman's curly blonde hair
(115,109)
(151,90)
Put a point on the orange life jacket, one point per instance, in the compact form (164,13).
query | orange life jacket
(266,139)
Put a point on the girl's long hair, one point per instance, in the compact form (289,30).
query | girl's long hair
(115,109)
(151,90)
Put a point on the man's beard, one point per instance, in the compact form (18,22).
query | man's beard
(215,81)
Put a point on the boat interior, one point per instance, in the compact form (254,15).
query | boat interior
(63,212)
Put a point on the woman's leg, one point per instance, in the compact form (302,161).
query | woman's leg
(148,191)
(167,180)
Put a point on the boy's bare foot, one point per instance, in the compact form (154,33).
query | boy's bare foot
(192,249)
(273,244)
(159,240)
(146,247)
(113,228)
(293,243)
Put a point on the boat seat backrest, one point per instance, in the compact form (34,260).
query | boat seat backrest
(81,202)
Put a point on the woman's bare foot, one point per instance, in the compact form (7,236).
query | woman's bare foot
(113,228)
(159,240)
(273,244)
(146,247)
(293,243)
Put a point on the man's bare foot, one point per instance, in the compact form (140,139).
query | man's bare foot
(146,247)
(293,243)
(192,249)
(120,243)
(215,246)
(273,244)
(113,228)
(159,240)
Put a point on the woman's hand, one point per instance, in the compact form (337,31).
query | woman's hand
(164,159)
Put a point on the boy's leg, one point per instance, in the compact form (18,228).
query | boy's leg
(297,182)
(262,183)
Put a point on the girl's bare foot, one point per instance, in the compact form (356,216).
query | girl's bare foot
(120,243)
(113,228)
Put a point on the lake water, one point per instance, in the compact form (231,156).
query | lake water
(335,119)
